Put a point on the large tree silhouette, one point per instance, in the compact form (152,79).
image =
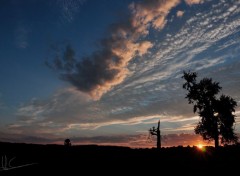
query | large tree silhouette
(217,118)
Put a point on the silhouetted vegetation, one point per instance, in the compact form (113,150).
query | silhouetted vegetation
(67,142)
(217,118)
(106,160)
(156,132)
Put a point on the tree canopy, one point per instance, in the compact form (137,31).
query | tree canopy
(217,118)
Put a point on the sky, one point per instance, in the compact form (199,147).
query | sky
(104,71)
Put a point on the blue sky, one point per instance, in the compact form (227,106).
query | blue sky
(129,57)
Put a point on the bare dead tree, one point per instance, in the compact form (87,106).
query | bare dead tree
(156,132)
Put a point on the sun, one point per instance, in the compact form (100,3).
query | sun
(200,146)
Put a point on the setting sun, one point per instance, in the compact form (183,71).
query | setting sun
(200,146)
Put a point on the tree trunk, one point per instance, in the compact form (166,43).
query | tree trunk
(216,142)
(216,138)
(158,139)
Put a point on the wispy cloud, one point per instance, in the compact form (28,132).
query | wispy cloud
(191,2)
(70,8)
(70,110)
(151,13)
(186,49)
(180,13)
(21,36)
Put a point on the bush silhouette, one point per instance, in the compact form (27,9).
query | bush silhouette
(67,142)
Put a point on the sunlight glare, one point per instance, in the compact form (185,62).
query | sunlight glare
(200,146)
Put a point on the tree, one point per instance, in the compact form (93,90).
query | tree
(217,118)
(156,131)
(67,142)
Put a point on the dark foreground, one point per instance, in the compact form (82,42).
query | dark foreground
(29,159)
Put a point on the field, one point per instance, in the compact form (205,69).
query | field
(32,159)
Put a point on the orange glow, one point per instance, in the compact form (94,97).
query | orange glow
(200,146)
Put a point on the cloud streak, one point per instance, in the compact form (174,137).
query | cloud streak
(69,110)
(133,141)
(107,67)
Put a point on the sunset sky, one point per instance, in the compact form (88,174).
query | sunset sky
(105,71)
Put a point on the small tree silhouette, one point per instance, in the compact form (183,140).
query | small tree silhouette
(156,132)
(67,143)
(217,118)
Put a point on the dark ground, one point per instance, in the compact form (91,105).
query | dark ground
(106,160)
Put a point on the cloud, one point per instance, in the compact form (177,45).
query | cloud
(151,13)
(21,36)
(142,141)
(107,67)
(180,13)
(69,111)
(191,2)
(207,42)
(188,48)
(19,138)
(183,139)
(70,8)
(2,104)
(133,141)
